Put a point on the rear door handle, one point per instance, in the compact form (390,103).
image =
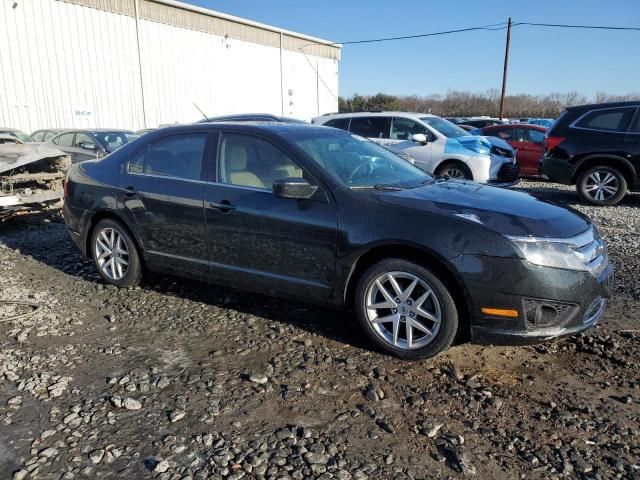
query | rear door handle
(224,206)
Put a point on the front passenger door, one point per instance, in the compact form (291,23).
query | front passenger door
(258,239)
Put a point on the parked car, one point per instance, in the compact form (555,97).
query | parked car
(437,145)
(543,122)
(482,122)
(143,131)
(527,141)
(84,145)
(23,137)
(251,117)
(47,134)
(323,215)
(597,148)
(31,176)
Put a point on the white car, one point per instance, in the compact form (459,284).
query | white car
(437,145)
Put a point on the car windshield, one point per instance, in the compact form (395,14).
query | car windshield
(357,162)
(114,140)
(23,137)
(445,127)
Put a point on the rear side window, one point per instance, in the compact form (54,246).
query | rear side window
(505,133)
(371,127)
(176,156)
(611,119)
(341,123)
(635,128)
(536,136)
(64,140)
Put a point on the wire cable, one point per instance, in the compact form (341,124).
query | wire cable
(562,25)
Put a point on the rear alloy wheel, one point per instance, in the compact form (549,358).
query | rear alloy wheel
(405,309)
(455,170)
(115,254)
(602,185)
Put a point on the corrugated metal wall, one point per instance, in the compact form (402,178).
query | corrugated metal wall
(68,65)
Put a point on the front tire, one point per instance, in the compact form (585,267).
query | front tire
(601,185)
(404,309)
(454,170)
(115,254)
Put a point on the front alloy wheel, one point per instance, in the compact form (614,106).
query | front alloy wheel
(602,185)
(405,309)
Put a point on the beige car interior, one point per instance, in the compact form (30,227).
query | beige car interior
(254,163)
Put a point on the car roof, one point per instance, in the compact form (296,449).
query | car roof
(275,127)
(376,114)
(526,126)
(593,106)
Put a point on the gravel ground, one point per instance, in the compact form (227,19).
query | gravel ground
(181,380)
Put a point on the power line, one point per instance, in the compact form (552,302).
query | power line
(500,26)
(562,25)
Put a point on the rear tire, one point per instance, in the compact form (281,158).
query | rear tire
(421,316)
(601,185)
(115,254)
(454,170)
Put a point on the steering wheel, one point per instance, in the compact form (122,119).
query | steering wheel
(358,168)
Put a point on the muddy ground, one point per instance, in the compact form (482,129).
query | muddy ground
(183,380)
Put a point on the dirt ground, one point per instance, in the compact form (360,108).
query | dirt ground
(182,380)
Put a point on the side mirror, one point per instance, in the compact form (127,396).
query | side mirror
(419,138)
(296,188)
(88,145)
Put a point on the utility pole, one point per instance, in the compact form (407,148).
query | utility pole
(504,72)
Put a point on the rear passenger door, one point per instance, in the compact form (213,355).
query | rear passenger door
(374,128)
(258,240)
(161,193)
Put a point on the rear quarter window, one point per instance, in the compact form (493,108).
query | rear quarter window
(611,120)
(371,127)
(341,123)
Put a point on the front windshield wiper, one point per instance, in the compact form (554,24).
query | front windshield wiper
(379,186)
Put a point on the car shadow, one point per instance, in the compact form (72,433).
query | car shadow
(569,197)
(45,240)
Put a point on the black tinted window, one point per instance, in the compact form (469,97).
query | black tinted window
(177,156)
(341,123)
(371,127)
(635,128)
(64,140)
(612,119)
(136,164)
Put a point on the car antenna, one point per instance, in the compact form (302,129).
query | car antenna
(205,117)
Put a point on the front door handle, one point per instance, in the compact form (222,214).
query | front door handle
(130,191)
(224,206)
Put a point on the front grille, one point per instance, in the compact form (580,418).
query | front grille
(547,313)
(502,152)
(509,172)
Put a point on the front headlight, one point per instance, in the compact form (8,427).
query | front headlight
(549,254)
(585,252)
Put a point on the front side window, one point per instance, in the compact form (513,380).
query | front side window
(114,140)
(404,128)
(611,119)
(536,136)
(177,156)
(248,161)
(38,136)
(356,162)
(370,127)
(81,138)
(64,140)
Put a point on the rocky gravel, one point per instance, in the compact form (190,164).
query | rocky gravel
(182,380)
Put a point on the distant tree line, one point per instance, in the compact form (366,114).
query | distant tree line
(465,104)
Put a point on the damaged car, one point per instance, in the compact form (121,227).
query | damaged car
(31,177)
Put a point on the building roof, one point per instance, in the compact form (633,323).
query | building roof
(184,15)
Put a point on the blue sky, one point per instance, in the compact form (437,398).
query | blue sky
(543,60)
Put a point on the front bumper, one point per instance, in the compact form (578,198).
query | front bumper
(573,300)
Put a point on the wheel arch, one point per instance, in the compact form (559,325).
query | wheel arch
(624,165)
(459,161)
(110,214)
(427,259)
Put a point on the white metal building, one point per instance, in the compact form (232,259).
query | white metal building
(144,63)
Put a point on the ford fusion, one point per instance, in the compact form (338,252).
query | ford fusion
(325,216)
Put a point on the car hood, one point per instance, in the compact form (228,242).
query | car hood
(500,210)
(477,144)
(14,155)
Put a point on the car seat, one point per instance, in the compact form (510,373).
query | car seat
(235,171)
